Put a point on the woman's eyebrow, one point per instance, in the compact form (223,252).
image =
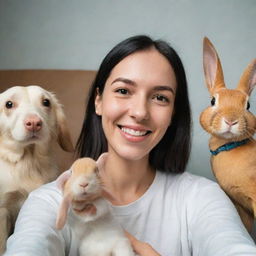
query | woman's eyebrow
(164,88)
(124,80)
(155,88)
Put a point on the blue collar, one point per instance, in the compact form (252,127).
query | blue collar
(229,146)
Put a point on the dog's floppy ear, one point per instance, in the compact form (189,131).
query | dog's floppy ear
(63,135)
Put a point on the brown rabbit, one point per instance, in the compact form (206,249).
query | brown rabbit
(232,127)
(80,188)
(87,213)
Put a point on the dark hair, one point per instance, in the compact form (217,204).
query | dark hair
(171,154)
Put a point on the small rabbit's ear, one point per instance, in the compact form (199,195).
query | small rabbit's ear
(101,160)
(248,79)
(63,212)
(212,67)
(62,179)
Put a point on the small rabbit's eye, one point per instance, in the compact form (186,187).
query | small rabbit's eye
(46,103)
(248,105)
(213,101)
(9,104)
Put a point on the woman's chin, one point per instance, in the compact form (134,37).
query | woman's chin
(132,154)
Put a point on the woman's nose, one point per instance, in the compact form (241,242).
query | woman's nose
(139,109)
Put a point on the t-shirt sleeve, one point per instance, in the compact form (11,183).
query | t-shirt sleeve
(214,224)
(35,232)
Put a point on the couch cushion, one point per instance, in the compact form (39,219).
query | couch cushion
(71,88)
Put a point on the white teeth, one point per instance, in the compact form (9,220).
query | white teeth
(133,132)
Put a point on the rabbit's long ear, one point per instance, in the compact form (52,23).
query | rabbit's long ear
(62,179)
(248,79)
(212,67)
(63,212)
(101,160)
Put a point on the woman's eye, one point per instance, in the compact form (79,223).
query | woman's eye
(122,91)
(161,98)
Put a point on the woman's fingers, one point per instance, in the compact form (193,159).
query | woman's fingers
(141,248)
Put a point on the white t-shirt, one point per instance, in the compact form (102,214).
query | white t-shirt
(179,215)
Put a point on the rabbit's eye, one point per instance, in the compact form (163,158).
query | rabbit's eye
(248,105)
(213,101)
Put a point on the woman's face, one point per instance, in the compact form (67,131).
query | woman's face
(137,104)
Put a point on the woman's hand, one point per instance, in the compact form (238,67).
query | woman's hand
(141,248)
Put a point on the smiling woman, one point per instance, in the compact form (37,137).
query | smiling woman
(138,112)
(132,65)
(133,107)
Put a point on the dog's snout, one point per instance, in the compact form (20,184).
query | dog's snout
(33,123)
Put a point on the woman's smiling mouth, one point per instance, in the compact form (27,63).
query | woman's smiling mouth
(133,131)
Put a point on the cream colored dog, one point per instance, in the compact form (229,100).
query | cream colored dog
(31,121)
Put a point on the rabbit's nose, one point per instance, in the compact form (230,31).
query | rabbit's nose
(84,185)
(230,123)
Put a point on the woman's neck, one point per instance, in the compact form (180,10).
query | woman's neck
(126,180)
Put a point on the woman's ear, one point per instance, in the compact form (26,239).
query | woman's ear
(98,103)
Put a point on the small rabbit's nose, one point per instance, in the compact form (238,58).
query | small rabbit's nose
(230,123)
(83,185)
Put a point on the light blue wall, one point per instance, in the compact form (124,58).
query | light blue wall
(66,34)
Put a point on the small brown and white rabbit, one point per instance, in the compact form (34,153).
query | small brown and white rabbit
(88,213)
(232,127)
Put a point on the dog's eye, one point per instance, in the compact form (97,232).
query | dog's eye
(213,101)
(46,103)
(248,105)
(9,104)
